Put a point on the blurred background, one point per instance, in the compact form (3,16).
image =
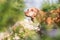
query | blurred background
(12,11)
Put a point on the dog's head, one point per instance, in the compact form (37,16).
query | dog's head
(31,12)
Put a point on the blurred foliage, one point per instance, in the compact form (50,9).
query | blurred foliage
(10,12)
(23,34)
(48,7)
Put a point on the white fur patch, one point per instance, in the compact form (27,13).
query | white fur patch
(31,13)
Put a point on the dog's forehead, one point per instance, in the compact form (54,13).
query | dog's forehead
(32,9)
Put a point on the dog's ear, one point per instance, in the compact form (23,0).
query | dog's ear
(37,10)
